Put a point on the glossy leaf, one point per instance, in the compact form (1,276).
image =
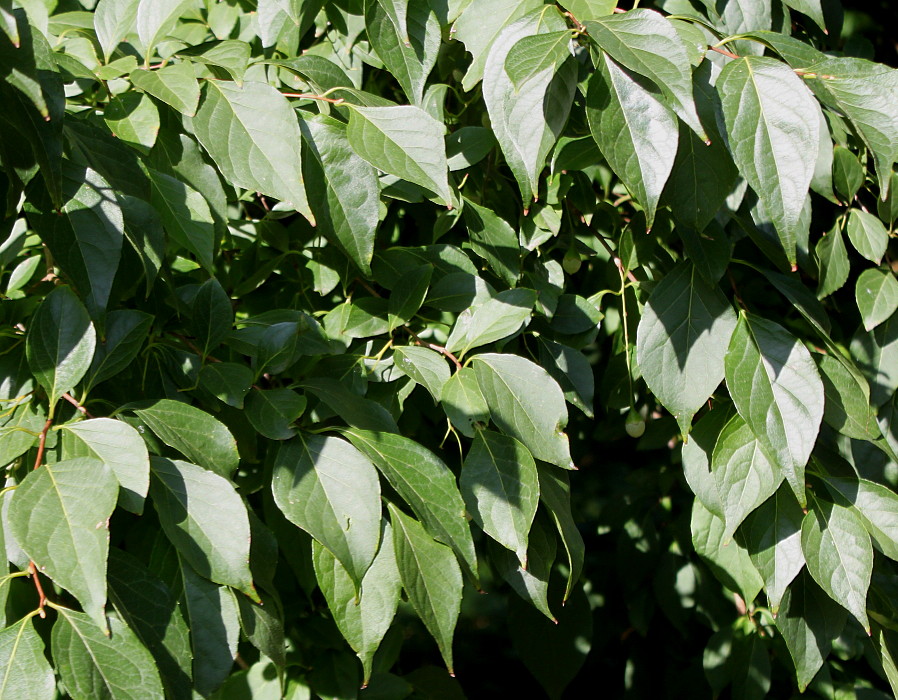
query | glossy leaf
(205,519)
(113,19)
(24,671)
(526,403)
(212,315)
(681,340)
(430,576)
(121,447)
(59,516)
(273,411)
(524,129)
(253,136)
(877,296)
(642,158)
(847,406)
(126,330)
(330,489)
(495,319)
(427,367)
(94,664)
(867,234)
(839,555)
(500,485)
(155,19)
(426,484)
(404,141)
(363,617)
(193,432)
(646,43)
(346,207)
(778,392)
(875,505)
(175,85)
(60,343)
(773,133)
(555,495)
(464,402)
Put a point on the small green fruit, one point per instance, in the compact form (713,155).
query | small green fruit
(634,426)
(571,262)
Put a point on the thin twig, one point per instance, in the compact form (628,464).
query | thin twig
(307,96)
(433,346)
(736,294)
(617,260)
(42,597)
(42,443)
(72,400)
(724,52)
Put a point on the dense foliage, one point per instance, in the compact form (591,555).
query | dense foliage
(311,307)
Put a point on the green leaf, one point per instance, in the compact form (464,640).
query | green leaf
(194,433)
(681,341)
(864,92)
(430,576)
(126,329)
(21,430)
(343,190)
(875,505)
(273,411)
(356,410)
(526,403)
(134,119)
(463,402)
(868,235)
(24,671)
(404,141)
(330,489)
(479,26)
(362,617)
(406,37)
(92,664)
(60,343)
(495,319)
(211,315)
(113,21)
(425,482)
(772,536)
(729,562)
(425,366)
(59,515)
(500,486)
(494,240)
(745,478)
(777,391)
(87,241)
(408,295)
(877,296)
(832,261)
(847,407)
(231,55)
(152,611)
(467,146)
(118,445)
(204,517)
(175,85)
(525,130)
(571,370)
(876,353)
(811,8)
(227,381)
(253,135)
(214,623)
(642,158)
(555,495)
(156,19)
(773,129)
(808,621)
(532,583)
(534,54)
(185,215)
(646,43)
(839,555)
(848,174)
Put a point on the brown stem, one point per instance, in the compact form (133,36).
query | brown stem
(736,291)
(42,597)
(42,443)
(617,260)
(724,52)
(308,96)
(433,346)
(74,402)
(368,287)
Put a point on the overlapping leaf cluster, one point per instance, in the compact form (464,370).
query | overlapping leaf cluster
(297,296)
